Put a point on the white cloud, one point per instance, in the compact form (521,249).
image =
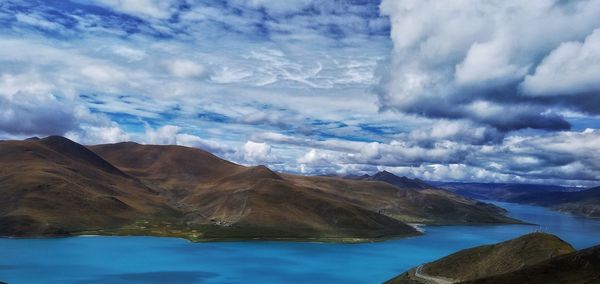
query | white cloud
(132,54)
(160,9)
(571,68)
(275,7)
(185,68)
(257,152)
(481,52)
(163,135)
(214,147)
(102,74)
(288,83)
(28,107)
(454,130)
(487,62)
(559,157)
(37,21)
(172,135)
(92,135)
(27,83)
(228,74)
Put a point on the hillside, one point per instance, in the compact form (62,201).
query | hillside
(173,169)
(566,199)
(489,260)
(581,267)
(244,202)
(56,186)
(413,206)
(427,203)
(499,191)
(402,182)
(583,203)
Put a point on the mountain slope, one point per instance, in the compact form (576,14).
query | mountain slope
(219,178)
(243,202)
(499,191)
(56,186)
(402,182)
(431,205)
(175,170)
(489,260)
(566,199)
(257,196)
(582,203)
(428,206)
(581,267)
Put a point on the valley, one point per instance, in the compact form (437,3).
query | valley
(572,200)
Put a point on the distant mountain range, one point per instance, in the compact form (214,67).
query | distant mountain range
(54,186)
(572,200)
(582,203)
(533,258)
(402,182)
(567,199)
(499,191)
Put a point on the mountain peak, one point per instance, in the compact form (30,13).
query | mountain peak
(491,260)
(385,173)
(76,152)
(355,177)
(402,182)
(67,186)
(55,139)
(262,171)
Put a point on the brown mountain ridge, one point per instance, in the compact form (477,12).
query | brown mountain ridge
(54,186)
(573,200)
(532,258)
(580,267)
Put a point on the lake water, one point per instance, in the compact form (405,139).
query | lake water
(167,260)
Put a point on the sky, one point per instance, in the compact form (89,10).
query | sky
(466,90)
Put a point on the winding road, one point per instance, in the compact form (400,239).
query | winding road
(431,279)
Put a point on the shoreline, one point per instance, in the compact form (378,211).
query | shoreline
(195,237)
(420,230)
(324,240)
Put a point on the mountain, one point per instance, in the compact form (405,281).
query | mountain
(402,182)
(56,186)
(244,202)
(412,206)
(581,267)
(583,203)
(387,177)
(566,199)
(499,191)
(489,260)
(216,186)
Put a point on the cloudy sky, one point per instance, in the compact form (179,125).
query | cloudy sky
(468,90)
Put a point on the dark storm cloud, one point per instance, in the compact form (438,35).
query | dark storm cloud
(29,116)
(27,107)
(508,64)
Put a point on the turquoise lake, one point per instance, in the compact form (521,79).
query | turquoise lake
(168,260)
